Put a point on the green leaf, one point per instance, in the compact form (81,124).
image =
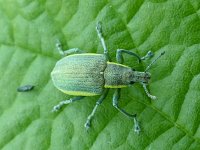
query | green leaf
(28,32)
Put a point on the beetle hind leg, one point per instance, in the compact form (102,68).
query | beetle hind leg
(99,101)
(116,97)
(66,52)
(57,107)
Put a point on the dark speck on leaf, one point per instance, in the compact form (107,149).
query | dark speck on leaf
(25,88)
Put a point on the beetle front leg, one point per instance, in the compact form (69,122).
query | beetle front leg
(147,92)
(66,52)
(100,35)
(148,55)
(120,59)
(57,107)
(100,100)
(119,56)
(116,97)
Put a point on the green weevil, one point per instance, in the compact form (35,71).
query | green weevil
(89,74)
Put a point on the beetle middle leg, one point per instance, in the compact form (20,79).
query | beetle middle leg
(66,52)
(99,101)
(57,107)
(116,97)
(120,59)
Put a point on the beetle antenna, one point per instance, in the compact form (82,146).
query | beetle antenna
(148,67)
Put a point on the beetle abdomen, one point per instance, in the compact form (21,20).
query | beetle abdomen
(80,74)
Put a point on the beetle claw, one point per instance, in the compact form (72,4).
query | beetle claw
(137,129)
(153,97)
(87,125)
(55,108)
(150,54)
(98,27)
(136,125)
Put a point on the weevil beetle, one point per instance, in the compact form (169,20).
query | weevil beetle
(89,74)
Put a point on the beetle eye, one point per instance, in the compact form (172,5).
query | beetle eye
(148,77)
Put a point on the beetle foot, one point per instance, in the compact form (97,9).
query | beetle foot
(137,129)
(59,47)
(58,44)
(98,27)
(87,125)
(152,97)
(56,108)
(136,125)
(148,55)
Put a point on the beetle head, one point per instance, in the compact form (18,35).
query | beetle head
(141,77)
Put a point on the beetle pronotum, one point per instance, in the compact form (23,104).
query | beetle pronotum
(89,74)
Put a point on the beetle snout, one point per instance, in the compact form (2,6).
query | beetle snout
(147,77)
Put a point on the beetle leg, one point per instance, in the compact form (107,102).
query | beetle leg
(57,107)
(119,56)
(100,35)
(116,97)
(148,55)
(66,52)
(147,92)
(120,59)
(99,101)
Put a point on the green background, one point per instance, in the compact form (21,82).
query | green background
(28,31)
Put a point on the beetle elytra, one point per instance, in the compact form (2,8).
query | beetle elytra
(89,74)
